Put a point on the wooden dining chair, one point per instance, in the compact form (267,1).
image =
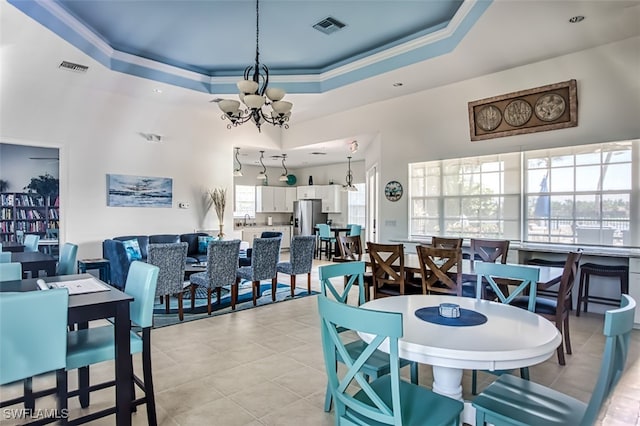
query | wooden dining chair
(513,401)
(489,250)
(557,310)
(446,242)
(386,399)
(440,270)
(351,250)
(387,267)
(525,281)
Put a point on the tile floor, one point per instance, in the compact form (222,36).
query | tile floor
(264,367)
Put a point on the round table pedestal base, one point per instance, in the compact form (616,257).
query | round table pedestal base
(448,382)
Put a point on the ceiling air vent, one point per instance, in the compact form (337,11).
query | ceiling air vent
(318,153)
(70,66)
(329,25)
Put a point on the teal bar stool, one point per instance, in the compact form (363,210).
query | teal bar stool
(355,230)
(93,345)
(326,241)
(513,401)
(386,399)
(33,326)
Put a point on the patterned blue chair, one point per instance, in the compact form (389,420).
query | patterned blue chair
(301,260)
(222,258)
(246,260)
(513,401)
(67,261)
(171,259)
(264,263)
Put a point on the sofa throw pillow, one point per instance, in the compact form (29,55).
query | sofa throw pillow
(133,249)
(203,243)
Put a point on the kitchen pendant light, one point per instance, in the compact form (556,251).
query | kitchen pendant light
(349,185)
(263,174)
(237,172)
(284,176)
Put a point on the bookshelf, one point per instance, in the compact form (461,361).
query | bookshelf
(26,212)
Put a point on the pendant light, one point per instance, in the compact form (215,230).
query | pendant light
(349,185)
(284,176)
(263,174)
(237,172)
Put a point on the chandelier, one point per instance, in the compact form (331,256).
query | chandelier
(284,176)
(237,172)
(349,185)
(253,89)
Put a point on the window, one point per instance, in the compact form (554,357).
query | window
(356,205)
(470,197)
(245,201)
(579,195)
(570,195)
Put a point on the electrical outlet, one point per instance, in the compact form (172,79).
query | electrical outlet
(183,205)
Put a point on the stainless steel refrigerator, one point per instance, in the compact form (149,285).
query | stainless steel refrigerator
(306,214)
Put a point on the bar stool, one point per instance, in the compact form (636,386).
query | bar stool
(589,269)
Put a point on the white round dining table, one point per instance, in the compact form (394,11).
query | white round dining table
(510,338)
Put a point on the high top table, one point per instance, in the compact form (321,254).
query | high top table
(93,306)
(511,338)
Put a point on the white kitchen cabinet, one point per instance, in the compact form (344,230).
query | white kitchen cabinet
(306,192)
(272,199)
(248,234)
(331,197)
(290,195)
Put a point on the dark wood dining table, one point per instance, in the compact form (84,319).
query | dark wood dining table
(34,262)
(94,306)
(12,246)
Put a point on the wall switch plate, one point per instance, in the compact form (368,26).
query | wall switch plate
(183,205)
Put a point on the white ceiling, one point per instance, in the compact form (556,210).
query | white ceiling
(509,34)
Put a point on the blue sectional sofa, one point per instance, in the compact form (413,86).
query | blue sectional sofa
(115,251)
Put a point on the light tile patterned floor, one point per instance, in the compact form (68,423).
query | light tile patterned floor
(264,367)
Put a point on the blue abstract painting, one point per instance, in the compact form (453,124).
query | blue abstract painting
(139,191)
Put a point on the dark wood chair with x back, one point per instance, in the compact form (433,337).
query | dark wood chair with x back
(387,266)
(436,266)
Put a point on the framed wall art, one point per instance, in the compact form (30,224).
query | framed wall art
(550,107)
(139,191)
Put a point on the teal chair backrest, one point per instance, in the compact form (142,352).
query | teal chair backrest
(31,242)
(141,284)
(525,277)
(67,261)
(355,230)
(10,271)
(618,324)
(324,231)
(33,326)
(5,256)
(383,325)
(355,273)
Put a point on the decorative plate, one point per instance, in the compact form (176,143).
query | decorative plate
(549,107)
(393,190)
(517,113)
(291,180)
(488,118)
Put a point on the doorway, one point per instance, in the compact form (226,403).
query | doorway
(372,204)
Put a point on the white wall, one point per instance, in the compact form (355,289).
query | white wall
(18,164)
(434,124)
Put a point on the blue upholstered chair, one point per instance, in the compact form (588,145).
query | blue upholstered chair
(325,240)
(355,230)
(170,258)
(353,273)
(513,401)
(10,271)
(33,326)
(387,399)
(264,262)
(96,344)
(300,261)
(222,258)
(5,256)
(67,261)
(525,281)
(31,242)
(246,260)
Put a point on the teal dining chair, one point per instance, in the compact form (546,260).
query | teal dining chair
(352,273)
(386,399)
(326,242)
(31,242)
(67,261)
(10,271)
(96,344)
(513,401)
(5,257)
(354,230)
(33,326)
(525,281)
